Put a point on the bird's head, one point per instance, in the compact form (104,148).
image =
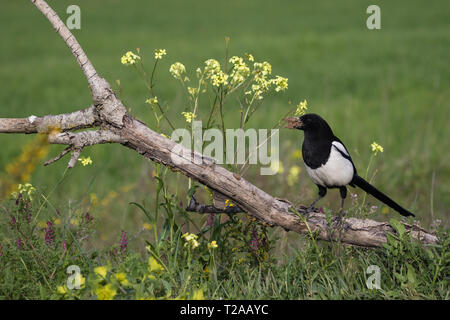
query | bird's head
(307,122)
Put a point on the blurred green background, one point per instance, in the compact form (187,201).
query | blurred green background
(391,86)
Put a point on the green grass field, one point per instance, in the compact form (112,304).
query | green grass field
(391,86)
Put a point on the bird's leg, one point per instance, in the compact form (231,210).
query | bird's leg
(343,192)
(340,217)
(322,193)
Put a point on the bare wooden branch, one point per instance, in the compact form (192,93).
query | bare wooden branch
(111,108)
(83,61)
(78,141)
(195,206)
(80,119)
(115,125)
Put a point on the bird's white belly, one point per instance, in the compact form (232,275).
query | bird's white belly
(337,171)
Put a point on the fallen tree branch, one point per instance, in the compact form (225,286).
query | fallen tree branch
(194,206)
(108,114)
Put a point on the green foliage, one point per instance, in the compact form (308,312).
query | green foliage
(227,258)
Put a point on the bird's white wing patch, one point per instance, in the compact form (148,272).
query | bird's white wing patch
(340,147)
(337,171)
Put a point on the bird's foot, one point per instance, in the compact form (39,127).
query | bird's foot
(339,221)
(311,209)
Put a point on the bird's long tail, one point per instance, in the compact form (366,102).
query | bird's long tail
(367,187)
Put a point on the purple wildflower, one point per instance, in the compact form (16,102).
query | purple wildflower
(123,243)
(88,217)
(19,243)
(19,197)
(49,233)
(254,241)
(210,220)
(64,244)
(1,253)
(13,220)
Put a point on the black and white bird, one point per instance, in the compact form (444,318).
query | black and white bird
(329,164)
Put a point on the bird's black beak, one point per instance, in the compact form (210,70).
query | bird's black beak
(294,123)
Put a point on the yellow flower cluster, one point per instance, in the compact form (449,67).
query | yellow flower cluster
(212,67)
(85,161)
(129,58)
(280,83)
(228,203)
(106,292)
(240,70)
(301,108)
(152,100)
(249,57)
(177,69)
(376,148)
(261,71)
(154,266)
(219,78)
(159,53)
(192,91)
(26,189)
(191,240)
(21,168)
(101,271)
(122,278)
(189,116)
(213,244)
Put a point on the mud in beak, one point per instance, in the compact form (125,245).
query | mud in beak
(293,123)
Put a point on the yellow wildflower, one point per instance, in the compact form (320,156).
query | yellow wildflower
(147,226)
(212,67)
(85,161)
(106,292)
(57,221)
(198,295)
(213,244)
(152,100)
(385,210)
(101,271)
(265,68)
(191,239)
(228,203)
(301,108)
(240,70)
(281,83)
(61,289)
(292,177)
(376,148)
(129,58)
(192,91)
(154,265)
(189,116)
(177,69)
(122,278)
(249,57)
(219,78)
(159,53)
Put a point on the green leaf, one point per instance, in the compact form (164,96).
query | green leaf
(150,218)
(398,226)
(411,275)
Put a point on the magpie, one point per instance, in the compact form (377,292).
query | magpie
(329,164)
